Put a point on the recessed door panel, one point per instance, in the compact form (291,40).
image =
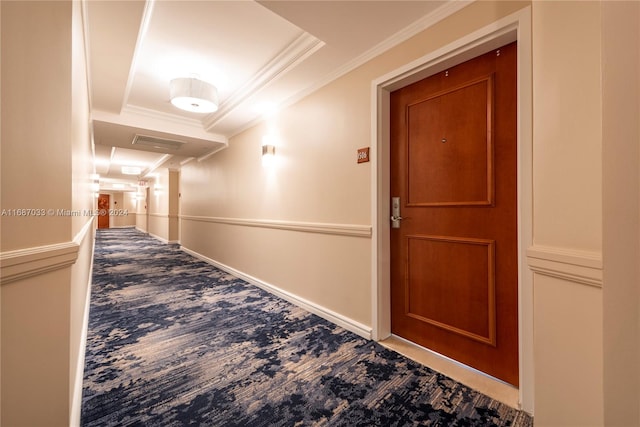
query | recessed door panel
(432,288)
(450,155)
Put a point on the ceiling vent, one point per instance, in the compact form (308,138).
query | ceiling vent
(157,143)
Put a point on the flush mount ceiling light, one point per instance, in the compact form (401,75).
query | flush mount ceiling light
(194,95)
(131,170)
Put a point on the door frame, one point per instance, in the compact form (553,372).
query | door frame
(516,26)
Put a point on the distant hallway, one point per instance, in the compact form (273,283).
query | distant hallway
(174,341)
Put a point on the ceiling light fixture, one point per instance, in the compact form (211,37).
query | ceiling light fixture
(131,170)
(194,95)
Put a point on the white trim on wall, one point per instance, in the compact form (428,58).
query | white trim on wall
(24,263)
(352,230)
(336,318)
(516,26)
(21,264)
(585,268)
(155,236)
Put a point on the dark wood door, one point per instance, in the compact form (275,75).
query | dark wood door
(454,268)
(103,211)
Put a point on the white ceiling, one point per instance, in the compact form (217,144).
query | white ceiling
(259,55)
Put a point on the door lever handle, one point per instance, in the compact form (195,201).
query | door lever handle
(395,212)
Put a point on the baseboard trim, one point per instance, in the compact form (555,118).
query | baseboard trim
(28,262)
(155,236)
(581,267)
(327,314)
(351,230)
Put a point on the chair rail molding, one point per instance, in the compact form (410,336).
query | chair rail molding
(576,266)
(352,230)
(21,264)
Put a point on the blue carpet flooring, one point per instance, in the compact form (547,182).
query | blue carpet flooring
(173,341)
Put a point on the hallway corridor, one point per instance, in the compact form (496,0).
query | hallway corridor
(175,341)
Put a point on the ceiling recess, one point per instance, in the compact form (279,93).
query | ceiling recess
(155,142)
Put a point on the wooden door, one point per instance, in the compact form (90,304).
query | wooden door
(103,211)
(454,268)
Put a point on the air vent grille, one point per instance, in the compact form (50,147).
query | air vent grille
(158,143)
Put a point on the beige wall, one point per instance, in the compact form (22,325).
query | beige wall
(230,201)
(142,209)
(46,260)
(264,222)
(174,206)
(82,199)
(124,209)
(567,182)
(158,205)
(586,213)
(567,128)
(48,143)
(303,225)
(621,190)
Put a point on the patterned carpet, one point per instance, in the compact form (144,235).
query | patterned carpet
(174,341)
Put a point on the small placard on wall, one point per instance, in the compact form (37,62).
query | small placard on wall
(363,155)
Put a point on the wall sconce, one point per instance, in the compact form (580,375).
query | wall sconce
(268,150)
(95,184)
(157,190)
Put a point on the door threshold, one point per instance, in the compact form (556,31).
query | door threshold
(477,380)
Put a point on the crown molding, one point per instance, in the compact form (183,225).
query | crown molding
(156,165)
(444,11)
(293,55)
(187,160)
(211,153)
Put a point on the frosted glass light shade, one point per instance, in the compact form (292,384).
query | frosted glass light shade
(194,95)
